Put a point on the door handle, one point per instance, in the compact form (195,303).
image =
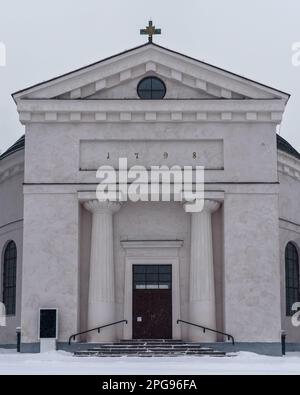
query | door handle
(139,319)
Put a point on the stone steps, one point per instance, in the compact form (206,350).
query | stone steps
(146,351)
(143,345)
(149,348)
(155,342)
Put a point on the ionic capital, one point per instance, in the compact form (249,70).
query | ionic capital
(96,206)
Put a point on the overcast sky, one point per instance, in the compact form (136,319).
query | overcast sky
(46,38)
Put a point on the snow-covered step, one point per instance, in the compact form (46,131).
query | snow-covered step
(148,348)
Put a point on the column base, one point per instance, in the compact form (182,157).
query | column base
(105,313)
(202,313)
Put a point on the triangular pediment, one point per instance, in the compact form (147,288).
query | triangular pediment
(117,77)
(128,90)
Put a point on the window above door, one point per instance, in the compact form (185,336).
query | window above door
(152,277)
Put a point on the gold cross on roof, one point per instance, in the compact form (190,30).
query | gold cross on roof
(150,31)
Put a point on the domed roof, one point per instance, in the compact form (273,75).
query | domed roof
(17,146)
(286,147)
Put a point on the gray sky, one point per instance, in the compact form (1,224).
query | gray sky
(50,37)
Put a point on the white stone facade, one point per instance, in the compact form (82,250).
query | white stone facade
(76,253)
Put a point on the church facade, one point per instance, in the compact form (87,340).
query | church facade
(232,267)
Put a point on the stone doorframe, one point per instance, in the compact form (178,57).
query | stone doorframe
(151,253)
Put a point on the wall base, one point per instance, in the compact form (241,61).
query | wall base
(8,346)
(292,347)
(272,349)
(30,348)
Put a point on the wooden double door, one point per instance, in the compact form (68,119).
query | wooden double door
(152,301)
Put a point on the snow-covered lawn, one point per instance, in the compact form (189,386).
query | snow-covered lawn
(64,363)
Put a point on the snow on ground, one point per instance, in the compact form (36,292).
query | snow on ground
(57,363)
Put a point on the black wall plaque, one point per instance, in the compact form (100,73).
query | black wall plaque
(48,324)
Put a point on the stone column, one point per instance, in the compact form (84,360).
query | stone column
(202,309)
(101,302)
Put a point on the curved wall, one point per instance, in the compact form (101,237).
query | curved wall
(11,228)
(289,223)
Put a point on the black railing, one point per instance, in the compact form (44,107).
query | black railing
(229,337)
(73,337)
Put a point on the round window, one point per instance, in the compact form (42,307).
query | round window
(151,88)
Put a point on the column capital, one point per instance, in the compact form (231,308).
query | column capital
(210,206)
(96,206)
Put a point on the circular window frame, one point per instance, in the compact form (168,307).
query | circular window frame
(156,78)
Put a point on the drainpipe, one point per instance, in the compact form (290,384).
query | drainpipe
(283,340)
(18,330)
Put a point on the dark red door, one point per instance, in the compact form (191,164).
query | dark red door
(152,302)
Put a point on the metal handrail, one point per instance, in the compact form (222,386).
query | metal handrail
(73,337)
(229,337)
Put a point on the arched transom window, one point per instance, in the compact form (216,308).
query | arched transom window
(292,279)
(10,278)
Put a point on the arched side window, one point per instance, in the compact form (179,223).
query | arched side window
(292,279)
(10,278)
